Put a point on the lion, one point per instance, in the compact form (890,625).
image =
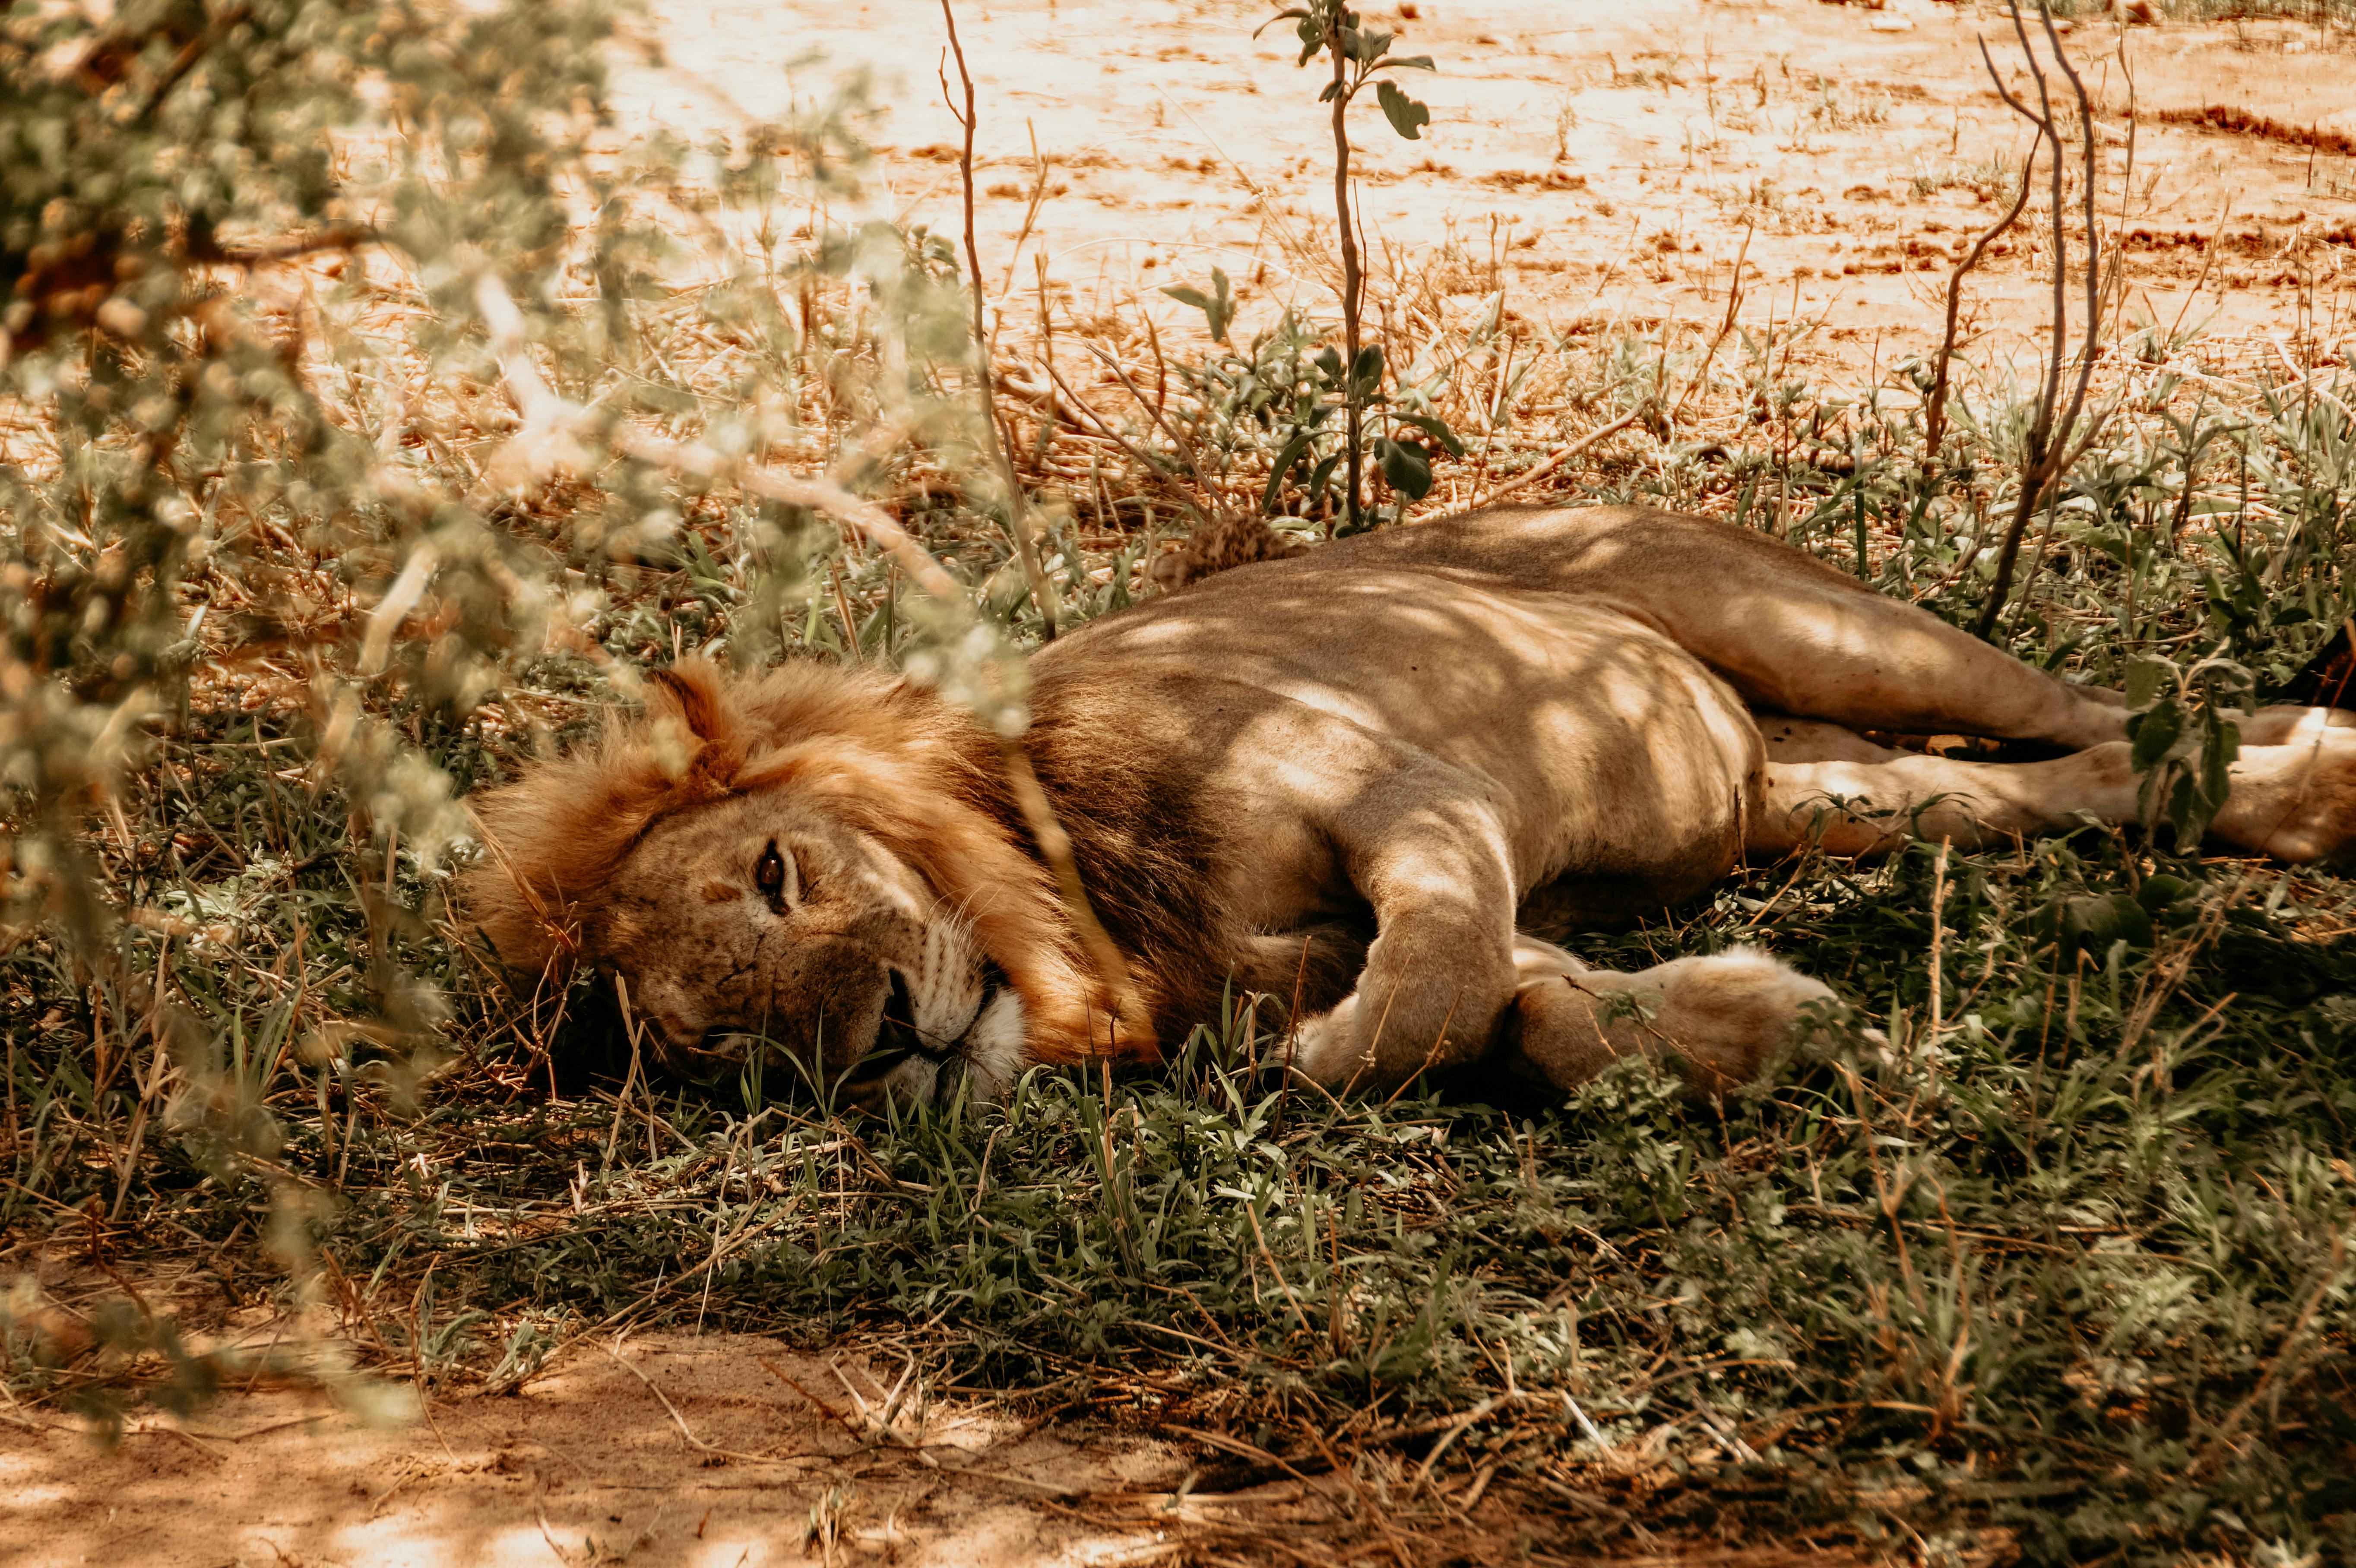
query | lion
(1382,782)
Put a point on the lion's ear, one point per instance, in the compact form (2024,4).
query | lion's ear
(692,685)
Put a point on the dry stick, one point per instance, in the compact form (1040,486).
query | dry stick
(1030,215)
(1934,419)
(2208,259)
(843,608)
(2181,513)
(156,1070)
(1938,934)
(1141,459)
(1047,353)
(1733,304)
(2117,286)
(680,1421)
(1560,456)
(629,1080)
(2223,1437)
(1042,592)
(2049,438)
(1497,411)
(1252,1214)
(1186,447)
(2036,566)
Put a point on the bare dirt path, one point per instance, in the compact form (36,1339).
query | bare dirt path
(733,1451)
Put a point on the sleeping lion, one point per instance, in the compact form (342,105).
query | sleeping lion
(1378,783)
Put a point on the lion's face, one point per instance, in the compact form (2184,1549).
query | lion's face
(760,921)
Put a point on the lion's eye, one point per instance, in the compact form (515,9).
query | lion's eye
(770,873)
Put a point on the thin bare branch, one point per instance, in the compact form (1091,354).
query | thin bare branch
(1042,592)
(2048,446)
(1934,418)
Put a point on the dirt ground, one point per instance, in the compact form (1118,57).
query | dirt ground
(732,1451)
(589,1465)
(1591,159)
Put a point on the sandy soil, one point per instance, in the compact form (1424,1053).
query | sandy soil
(586,1466)
(733,1451)
(1592,157)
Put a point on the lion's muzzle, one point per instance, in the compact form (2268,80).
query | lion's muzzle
(910,1063)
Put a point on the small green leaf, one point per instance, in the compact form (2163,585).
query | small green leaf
(1404,467)
(2094,924)
(1406,116)
(1435,427)
(1366,372)
(1319,477)
(2154,734)
(1218,307)
(1283,467)
(2145,677)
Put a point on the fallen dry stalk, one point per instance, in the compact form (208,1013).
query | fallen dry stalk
(1726,324)
(1556,459)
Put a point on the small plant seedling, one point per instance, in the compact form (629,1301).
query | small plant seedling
(1219,307)
(1359,56)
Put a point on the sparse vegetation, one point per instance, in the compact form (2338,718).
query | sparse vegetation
(335,486)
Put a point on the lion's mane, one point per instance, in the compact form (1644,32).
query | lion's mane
(898,764)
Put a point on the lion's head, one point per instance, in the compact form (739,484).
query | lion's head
(813,859)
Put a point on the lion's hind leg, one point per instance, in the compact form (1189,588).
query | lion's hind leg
(1717,1019)
(2293,795)
(1853,797)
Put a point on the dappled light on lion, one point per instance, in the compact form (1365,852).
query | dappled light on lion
(1385,783)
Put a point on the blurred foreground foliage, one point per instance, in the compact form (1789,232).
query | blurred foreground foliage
(373,404)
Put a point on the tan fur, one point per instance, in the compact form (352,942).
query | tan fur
(885,757)
(1220,545)
(1368,780)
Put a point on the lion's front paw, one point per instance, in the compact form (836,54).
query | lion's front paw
(1326,1051)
